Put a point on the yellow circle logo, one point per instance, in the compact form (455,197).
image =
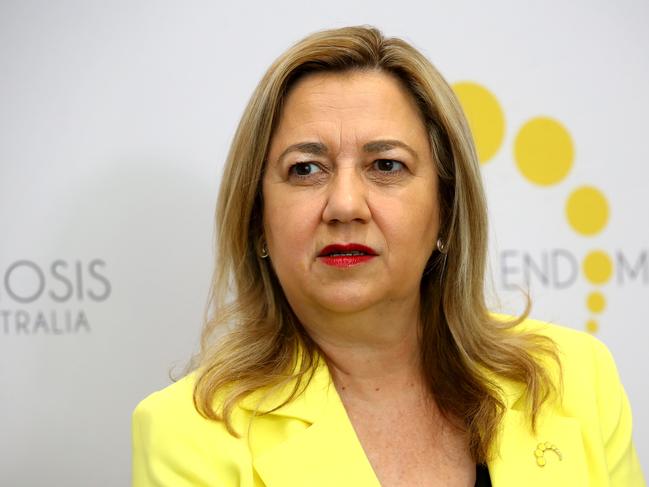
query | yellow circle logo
(598,267)
(544,154)
(486,118)
(596,302)
(587,210)
(543,151)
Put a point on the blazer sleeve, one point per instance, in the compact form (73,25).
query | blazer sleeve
(615,422)
(173,446)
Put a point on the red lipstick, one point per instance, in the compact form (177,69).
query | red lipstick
(346,255)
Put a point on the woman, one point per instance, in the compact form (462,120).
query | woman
(352,242)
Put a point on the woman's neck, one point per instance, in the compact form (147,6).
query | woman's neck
(373,351)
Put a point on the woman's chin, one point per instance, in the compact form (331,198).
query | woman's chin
(347,300)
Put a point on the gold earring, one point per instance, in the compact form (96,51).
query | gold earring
(264,251)
(441,246)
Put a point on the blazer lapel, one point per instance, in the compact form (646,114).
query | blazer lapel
(325,453)
(554,455)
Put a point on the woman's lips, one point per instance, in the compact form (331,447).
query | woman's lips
(346,255)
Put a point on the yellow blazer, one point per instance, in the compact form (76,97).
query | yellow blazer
(310,442)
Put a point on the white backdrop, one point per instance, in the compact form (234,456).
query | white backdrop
(115,119)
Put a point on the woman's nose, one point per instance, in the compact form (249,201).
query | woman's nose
(347,198)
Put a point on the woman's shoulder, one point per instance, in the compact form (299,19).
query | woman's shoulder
(173,444)
(587,378)
(575,347)
(591,395)
(173,401)
(171,397)
(172,409)
(589,383)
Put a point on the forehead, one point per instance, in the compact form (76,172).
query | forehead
(348,86)
(362,103)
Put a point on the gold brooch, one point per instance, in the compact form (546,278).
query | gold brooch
(541,448)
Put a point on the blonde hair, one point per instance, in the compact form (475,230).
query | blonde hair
(462,343)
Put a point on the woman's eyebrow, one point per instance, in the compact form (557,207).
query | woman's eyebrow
(313,148)
(385,145)
(373,147)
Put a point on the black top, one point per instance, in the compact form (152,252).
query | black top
(482,478)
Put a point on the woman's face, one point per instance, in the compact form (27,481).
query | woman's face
(350,194)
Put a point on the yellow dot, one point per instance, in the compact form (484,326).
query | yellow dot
(597,267)
(587,210)
(592,326)
(543,151)
(485,116)
(596,302)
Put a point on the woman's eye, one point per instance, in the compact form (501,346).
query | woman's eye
(388,165)
(304,169)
